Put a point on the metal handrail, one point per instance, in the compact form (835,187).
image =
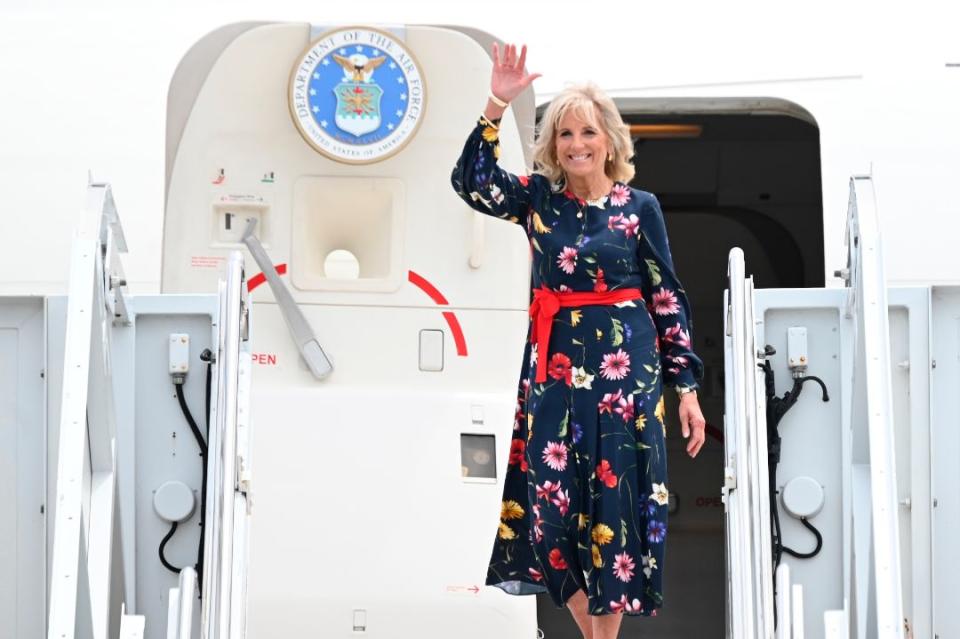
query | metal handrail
(82,566)
(222,614)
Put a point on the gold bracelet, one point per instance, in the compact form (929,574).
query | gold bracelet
(500,103)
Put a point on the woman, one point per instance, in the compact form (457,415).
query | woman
(585,499)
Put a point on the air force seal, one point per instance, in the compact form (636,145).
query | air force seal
(357,95)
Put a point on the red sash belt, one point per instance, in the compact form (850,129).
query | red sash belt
(547,302)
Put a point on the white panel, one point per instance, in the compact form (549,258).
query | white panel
(945,446)
(165,448)
(22,468)
(812,436)
(910,373)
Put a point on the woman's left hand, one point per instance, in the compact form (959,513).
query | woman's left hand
(692,424)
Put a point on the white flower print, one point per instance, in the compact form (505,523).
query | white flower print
(581,379)
(649,563)
(660,494)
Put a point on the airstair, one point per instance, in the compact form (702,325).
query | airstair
(113,341)
(839,457)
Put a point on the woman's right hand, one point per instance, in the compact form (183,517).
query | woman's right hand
(509,77)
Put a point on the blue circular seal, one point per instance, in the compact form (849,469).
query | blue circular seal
(357,95)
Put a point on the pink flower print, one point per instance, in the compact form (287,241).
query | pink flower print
(623,567)
(629,225)
(555,455)
(677,335)
(537,523)
(615,365)
(679,360)
(626,606)
(620,195)
(535,574)
(665,302)
(567,261)
(624,408)
(562,500)
(613,221)
(563,287)
(548,488)
(606,404)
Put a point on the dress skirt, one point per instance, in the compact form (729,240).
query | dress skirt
(585,501)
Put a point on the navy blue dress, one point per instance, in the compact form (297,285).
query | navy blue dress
(585,496)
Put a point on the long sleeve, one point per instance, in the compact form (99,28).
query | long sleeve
(485,186)
(667,302)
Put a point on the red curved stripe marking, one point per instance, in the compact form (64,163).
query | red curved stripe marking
(260,278)
(458,339)
(427,288)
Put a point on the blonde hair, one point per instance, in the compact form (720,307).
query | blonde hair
(589,103)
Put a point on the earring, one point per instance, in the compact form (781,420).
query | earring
(609,157)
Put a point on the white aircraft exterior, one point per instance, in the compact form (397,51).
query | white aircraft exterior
(364,501)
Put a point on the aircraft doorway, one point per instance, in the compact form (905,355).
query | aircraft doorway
(734,172)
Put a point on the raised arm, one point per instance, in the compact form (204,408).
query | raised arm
(477,178)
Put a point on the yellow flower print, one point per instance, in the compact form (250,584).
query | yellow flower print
(602,534)
(575,317)
(641,421)
(510,510)
(599,335)
(496,151)
(490,134)
(597,559)
(539,226)
(582,521)
(506,532)
(661,409)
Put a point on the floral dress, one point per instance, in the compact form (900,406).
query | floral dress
(585,497)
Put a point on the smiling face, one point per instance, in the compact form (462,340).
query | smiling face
(581,145)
